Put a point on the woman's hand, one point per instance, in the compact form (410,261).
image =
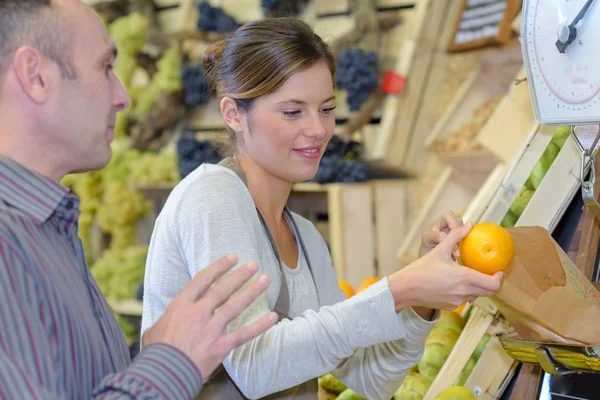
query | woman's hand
(435,281)
(430,239)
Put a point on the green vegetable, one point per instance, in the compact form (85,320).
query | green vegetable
(519,204)
(465,373)
(349,394)
(561,134)
(481,346)
(543,165)
(331,384)
(510,220)
(414,387)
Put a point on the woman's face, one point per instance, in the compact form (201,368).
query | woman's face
(286,132)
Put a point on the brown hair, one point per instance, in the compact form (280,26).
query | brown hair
(33,23)
(259,57)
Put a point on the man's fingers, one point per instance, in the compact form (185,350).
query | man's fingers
(205,278)
(238,303)
(227,286)
(247,333)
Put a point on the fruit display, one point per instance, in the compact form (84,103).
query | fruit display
(341,162)
(414,387)
(196,87)
(347,288)
(214,19)
(487,248)
(118,213)
(119,271)
(350,394)
(367,282)
(331,384)
(559,138)
(192,152)
(167,79)
(438,346)
(462,139)
(151,168)
(357,73)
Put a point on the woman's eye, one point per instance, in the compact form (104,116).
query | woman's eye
(327,110)
(291,113)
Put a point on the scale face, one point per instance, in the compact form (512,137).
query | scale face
(561,50)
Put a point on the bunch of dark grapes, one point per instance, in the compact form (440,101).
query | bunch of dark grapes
(270,5)
(341,163)
(357,73)
(192,153)
(196,87)
(214,19)
(282,8)
(139,293)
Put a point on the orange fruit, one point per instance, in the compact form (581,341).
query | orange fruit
(347,288)
(366,283)
(460,308)
(488,248)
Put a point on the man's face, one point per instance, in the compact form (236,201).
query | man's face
(84,109)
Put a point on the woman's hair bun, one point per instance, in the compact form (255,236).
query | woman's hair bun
(212,58)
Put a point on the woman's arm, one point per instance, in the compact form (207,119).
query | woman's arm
(215,216)
(377,371)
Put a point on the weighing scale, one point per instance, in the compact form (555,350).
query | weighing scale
(560,41)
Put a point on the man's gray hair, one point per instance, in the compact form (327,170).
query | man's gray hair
(34,23)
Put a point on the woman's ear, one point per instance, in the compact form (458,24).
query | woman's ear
(231,114)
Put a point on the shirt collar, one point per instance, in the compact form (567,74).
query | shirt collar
(30,192)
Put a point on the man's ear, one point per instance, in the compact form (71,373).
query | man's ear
(33,72)
(231,114)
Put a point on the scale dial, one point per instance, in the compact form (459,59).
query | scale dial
(561,51)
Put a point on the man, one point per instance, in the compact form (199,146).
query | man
(58,338)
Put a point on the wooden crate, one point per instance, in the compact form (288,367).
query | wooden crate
(512,122)
(444,195)
(544,209)
(459,175)
(365,223)
(493,370)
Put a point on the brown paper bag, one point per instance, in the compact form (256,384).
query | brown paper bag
(544,295)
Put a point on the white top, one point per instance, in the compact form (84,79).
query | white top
(362,340)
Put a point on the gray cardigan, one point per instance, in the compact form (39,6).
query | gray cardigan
(362,340)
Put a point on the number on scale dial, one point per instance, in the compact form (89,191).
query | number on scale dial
(561,50)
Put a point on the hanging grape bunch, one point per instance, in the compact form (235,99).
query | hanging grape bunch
(196,88)
(282,8)
(270,5)
(341,163)
(357,73)
(192,153)
(214,19)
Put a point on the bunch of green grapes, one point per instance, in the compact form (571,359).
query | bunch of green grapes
(88,187)
(166,79)
(119,212)
(153,168)
(122,157)
(129,330)
(119,271)
(130,33)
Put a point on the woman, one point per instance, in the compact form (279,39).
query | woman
(275,81)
